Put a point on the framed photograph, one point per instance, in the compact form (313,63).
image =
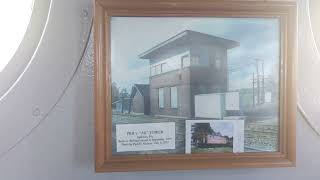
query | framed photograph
(184,84)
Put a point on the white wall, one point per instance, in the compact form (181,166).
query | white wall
(61,147)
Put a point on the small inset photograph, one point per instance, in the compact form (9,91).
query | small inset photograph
(210,136)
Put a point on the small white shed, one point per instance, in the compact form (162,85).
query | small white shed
(215,105)
(209,105)
(232,101)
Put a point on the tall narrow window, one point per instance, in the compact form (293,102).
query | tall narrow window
(218,60)
(161,97)
(158,69)
(218,63)
(174,97)
(153,70)
(185,61)
(164,67)
(195,60)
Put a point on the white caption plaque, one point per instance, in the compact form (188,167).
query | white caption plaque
(145,137)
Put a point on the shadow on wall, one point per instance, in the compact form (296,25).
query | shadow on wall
(83,108)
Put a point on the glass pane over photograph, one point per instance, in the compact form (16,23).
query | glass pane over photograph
(185,85)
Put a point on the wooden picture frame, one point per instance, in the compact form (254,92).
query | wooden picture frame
(285,10)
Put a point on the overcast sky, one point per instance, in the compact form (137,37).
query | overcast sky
(131,36)
(225,128)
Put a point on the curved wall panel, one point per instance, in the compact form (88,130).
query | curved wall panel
(44,79)
(309,63)
(61,147)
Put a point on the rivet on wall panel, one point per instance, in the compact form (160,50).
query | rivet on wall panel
(36,112)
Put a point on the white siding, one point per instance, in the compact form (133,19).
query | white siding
(208,106)
(232,101)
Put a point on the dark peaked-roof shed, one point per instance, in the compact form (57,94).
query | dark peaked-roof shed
(140,98)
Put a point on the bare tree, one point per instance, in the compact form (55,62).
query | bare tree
(115,92)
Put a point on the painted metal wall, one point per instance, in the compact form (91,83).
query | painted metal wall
(61,146)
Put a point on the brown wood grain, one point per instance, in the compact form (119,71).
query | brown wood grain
(285,10)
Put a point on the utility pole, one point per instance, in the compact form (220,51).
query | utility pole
(122,104)
(253,94)
(263,92)
(258,81)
